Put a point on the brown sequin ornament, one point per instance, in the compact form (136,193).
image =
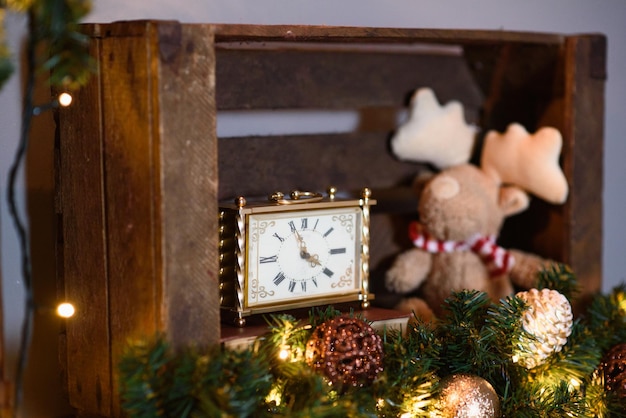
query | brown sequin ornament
(614,369)
(346,350)
(468,396)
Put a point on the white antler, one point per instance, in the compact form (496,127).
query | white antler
(528,161)
(434,133)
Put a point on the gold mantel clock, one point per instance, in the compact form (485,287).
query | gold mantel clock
(296,251)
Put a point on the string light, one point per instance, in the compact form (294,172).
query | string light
(65,99)
(275,396)
(574,383)
(621,301)
(380,403)
(283,354)
(66,310)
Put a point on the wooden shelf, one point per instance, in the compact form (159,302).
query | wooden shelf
(140,167)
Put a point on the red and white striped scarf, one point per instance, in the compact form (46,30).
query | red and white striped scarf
(497,259)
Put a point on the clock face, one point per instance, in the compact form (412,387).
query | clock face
(299,255)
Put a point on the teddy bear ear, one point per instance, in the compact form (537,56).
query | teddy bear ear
(434,133)
(513,200)
(530,161)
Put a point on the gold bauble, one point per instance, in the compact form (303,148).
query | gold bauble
(468,396)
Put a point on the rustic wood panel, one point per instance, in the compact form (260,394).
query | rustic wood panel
(83,249)
(160,231)
(188,184)
(520,81)
(130,194)
(254,166)
(585,60)
(367,35)
(266,78)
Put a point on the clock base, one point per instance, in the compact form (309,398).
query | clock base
(351,302)
(381,319)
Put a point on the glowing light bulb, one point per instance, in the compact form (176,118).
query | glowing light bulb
(65,99)
(65,310)
(283,354)
(622,302)
(274,396)
(574,383)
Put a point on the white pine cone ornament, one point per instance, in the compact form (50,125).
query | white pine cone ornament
(548,319)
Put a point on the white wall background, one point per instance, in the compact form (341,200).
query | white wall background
(562,16)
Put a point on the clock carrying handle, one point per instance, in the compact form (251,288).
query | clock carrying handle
(296,197)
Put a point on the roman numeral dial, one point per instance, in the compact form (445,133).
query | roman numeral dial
(303,254)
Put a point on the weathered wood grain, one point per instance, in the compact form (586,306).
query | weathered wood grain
(265,78)
(131,178)
(187,185)
(585,61)
(366,35)
(83,248)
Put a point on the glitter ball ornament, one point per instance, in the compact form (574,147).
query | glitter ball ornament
(613,368)
(549,320)
(346,350)
(468,396)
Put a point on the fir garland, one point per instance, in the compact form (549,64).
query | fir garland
(476,336)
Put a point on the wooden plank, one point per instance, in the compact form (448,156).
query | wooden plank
(254,166)
(313,79)
(130,194)
(346,34)
(187,161)
(585,60)
(83,249)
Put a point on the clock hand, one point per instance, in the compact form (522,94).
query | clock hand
(314,260)
(304,254)
(303,251)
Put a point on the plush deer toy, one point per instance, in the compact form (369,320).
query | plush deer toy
(462,208)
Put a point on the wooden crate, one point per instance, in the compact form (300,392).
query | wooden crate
(141,169)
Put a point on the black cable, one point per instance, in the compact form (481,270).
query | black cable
(20,225)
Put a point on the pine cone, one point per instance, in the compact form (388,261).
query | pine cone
(549,320)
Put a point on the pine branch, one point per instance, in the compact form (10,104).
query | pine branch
(606,318)
(155,381)
(466,347)
(476,336)
(535,400)
(409,379)
(6,66)
(561,278)
(578,359)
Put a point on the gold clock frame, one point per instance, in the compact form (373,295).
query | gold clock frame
(233,224)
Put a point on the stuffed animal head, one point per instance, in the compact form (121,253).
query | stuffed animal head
(463,199)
